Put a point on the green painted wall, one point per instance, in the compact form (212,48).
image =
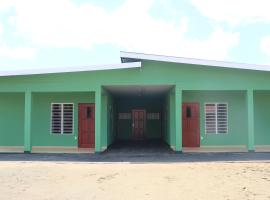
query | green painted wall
(166,136)
(186,77)
(111,119)
(237,116)
(189,77)
(169,119)
(150,104)
(11,119)
(262,117)
(172,119)
(107,122)
(104,118)
(41,113)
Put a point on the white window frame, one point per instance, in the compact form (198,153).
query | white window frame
(227,128)
(62,119)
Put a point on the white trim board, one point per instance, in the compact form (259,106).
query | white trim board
(71,69)
(193,61)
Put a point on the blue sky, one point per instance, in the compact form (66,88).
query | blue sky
(59,33)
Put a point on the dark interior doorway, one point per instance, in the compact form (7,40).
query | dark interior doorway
(138,124)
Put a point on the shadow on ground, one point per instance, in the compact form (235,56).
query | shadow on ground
(139,158)
(132,154)
(139,152)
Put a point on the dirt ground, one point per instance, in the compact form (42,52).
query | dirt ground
(71,180)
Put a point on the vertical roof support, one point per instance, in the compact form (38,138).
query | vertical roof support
(27,121)
(178,119)
(98,109)
(250,112)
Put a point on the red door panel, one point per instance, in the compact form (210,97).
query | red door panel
(191,124)
(138,124)
(86,135)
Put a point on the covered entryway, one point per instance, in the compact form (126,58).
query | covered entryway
(138,118)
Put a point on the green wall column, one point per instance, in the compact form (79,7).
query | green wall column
(178,119)
(27,121)
(171,118)
(98,110)
(250,111)
(104,121)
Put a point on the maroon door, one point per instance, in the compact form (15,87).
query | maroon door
(86,135)
(191,124)
(138,124)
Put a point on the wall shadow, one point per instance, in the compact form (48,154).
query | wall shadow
(133,158)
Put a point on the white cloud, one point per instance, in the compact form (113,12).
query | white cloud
(6,4)
(265,45)
(234,12)
(17,52)
(62,23)
(1,29)
(217,45)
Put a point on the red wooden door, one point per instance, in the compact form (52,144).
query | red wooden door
(138,124)
(86,135)
(191,124)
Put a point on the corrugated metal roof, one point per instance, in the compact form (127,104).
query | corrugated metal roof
(133,56)
(71,69)
(133,60)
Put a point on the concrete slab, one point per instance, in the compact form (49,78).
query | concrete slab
(139,147)
(212,149)
(11,149)
(55,149)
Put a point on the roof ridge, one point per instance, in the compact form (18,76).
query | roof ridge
(195,61)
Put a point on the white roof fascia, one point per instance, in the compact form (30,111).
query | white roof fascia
(194,61)
(71,69)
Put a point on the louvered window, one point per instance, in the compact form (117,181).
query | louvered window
(62,118)
(216,118)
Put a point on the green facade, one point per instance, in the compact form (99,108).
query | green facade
(237,116)
(12,111)
(41,127)
(26,102)
(261,117)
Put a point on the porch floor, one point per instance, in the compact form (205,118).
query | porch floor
(221,149)
(139,147)
(37,149)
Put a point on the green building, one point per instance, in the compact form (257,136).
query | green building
(187,103)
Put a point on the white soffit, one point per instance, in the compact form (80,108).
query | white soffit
(193,61)
(71,69)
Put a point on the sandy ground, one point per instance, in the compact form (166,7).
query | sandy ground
(69,180)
